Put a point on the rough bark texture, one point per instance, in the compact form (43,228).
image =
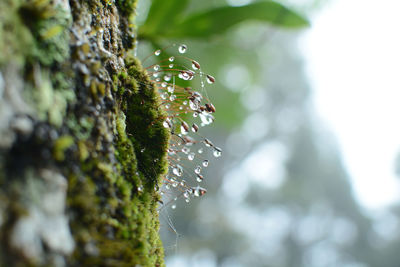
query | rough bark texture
(82,147)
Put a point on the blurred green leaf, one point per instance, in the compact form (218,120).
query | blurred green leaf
(218,20)
(163,14)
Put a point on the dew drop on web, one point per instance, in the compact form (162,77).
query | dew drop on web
(199,178)
(157,52)
(167,77)
(195,128)
(195,65)
(210,79)
(197,170)
(164,96)
(167,123)
(205,163)
(191,156)
(217,152)
(182,49)
(186,150)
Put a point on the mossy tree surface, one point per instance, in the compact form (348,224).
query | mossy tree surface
(82,147)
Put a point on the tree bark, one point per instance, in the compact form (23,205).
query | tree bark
(82,147)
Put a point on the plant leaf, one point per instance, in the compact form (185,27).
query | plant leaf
(162,15)
(218,20)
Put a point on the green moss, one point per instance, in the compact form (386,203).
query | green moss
(126,7)
(61,145)
(16,38)
(48,23)
(107,134)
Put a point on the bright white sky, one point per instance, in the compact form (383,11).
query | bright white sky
(353,60)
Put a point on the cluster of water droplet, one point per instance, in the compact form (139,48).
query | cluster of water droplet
(188,150)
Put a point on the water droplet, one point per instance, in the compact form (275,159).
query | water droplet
(195,128)
(170,89)
(191,156)
(177,170)
(210,79)
(198,191)
(155,75)
(167,77)
(197,96)
(173,206)
(182,49)
(200,151)
(208,143)
(164,84)
(183,183)
(171,59)
(142,150)
(206,118)
(205,163)
(140,188)
(171,66)
(195,114)
(180,107)
(195,65)
(186,150)
(167,123)
(157,52)
(185,102)
(217,152)
(187,200)
(186,194)
(184,128)
(194,104)
(156,67)
(167,106)
(172,97)
(158,79)
(199,178)
(185,75)
(164,95)
(167,186)
(197,170)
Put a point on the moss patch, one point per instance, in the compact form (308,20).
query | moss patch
(96,120)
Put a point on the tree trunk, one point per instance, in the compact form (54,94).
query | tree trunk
(82,146)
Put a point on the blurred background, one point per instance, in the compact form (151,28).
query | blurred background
(307,117)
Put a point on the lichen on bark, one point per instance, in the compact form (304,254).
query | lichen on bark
(82,147)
